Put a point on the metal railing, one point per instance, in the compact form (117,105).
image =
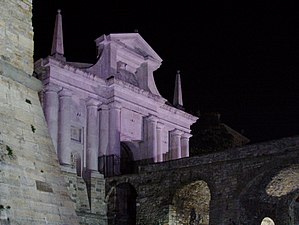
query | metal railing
(109,165)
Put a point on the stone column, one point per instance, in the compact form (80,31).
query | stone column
(185,144)
(159,157)
(51,107)
(175,144)
(114,138)
(114,128)
(103,137)
(92,136)
(64,127)
(104,130)
(152,137)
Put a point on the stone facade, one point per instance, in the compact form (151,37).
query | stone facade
(107,118)
(31,186)
(111,102)
(63,173)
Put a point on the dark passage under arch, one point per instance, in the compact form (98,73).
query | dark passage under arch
(126,159)
(122,205)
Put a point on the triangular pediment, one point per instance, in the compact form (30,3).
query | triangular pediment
(133,42)
(127,57)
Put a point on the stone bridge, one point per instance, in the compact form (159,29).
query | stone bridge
(251,185)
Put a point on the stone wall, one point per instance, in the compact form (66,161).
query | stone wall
(16,34)
(32,190)
(89,197)
(245,184)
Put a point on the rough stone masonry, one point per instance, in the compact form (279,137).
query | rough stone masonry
(32,190)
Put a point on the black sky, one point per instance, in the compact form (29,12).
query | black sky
(240,60)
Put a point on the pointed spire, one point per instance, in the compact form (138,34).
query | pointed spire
(178,98)
(57,44)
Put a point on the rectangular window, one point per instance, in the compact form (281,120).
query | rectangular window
(76,134)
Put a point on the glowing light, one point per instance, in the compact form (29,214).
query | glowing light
(267,221)
(285,182)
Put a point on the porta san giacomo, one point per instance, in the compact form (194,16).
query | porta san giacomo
(96,144)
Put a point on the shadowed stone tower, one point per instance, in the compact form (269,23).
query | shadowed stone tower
(32,189)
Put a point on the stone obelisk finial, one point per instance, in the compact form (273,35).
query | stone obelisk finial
(57,44)
(178,98)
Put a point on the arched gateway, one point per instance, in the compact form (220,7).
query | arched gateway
(122,205)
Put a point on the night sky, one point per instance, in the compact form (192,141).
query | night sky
(240,60)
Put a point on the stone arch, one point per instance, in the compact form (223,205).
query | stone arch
(191,204)
(122,205)
(271,194)
(294,211)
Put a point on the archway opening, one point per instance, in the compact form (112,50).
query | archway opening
(294,211)
(191,204)
(126,159)
(76,163)
(284,185)
(273,193)
(267,221)
(122,205)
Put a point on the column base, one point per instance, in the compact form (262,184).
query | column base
(96,174)
(68,169)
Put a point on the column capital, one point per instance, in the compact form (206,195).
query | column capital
(92,102)
(186,135)
(160,125)
(152,118)
(115,105)
(176,132)
(104,107)
(52,88)
(65,93)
